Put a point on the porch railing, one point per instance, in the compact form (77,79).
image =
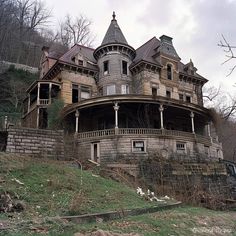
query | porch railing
(143,131)
(43,101)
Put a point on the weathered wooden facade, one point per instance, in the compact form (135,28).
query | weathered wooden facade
(124,104)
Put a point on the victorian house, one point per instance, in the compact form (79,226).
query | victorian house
(124,103)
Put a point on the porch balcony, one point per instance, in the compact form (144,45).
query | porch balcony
(176,134)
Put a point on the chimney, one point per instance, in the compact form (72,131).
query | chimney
(166,39)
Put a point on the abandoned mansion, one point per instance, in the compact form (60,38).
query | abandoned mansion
(122,103)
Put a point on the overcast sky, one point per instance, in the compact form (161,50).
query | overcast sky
(195,26)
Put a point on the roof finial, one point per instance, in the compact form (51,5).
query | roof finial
(113,16)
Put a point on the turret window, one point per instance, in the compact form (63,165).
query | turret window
(124,89)
(106,67)
(169,72)
(124,67)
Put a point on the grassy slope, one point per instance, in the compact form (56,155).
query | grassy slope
(52,189)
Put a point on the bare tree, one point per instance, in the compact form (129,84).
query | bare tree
(229,50)
(30,15)
(73,31)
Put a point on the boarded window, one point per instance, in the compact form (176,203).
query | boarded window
(111,89)
(84,92)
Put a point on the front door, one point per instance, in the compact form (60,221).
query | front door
(95,152)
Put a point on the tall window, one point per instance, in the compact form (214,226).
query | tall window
(111,89)
(154,91)
(168,94)
(124,67)
(75,93)
(181,97)
(169,72)
(106,67)
(124,89)
(188,99)
(80,92)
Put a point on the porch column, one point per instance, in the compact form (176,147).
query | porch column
(192,122)
(37,117)
(161,109)
(38,94)
(77,121)
(28,103)
(50,93)
(208,129)
(116,108)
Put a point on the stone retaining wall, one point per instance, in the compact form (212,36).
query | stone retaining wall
(36,142)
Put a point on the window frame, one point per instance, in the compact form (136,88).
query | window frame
(181,147)
(135,148)
(110,85)
(124,67)
(106,67)
(126,86)
(169,73)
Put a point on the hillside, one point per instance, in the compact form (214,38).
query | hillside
(48,189)
(13,85)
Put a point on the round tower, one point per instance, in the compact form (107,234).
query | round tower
(114,57)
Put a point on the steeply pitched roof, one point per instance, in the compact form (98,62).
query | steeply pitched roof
(87,54)
(114,33)
(147,52)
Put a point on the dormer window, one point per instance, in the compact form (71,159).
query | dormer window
(124,67)
(106,67)
(80,63)
(169,72)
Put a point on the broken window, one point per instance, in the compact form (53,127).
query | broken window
(111,89)
(124,67)
(80,63)
(124,89)
(75,93)
(181,97)
(138,146)
(168,94)
(105,67)
(169,72)
(188,99)
(154,91)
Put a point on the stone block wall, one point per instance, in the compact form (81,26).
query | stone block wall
(36,142)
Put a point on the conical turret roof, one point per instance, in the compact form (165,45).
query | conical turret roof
(114,33)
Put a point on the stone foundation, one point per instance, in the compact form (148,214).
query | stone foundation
(36,142)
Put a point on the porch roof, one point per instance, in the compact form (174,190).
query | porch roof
(131,98)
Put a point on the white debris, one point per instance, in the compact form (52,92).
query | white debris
(166,197)
(140,192)
(18,181)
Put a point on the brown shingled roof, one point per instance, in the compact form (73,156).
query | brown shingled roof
(86,52)
(147,51)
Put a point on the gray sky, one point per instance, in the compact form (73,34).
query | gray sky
(195,26)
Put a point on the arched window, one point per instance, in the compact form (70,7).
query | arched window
(169,72)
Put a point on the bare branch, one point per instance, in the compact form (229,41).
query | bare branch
(228,49)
